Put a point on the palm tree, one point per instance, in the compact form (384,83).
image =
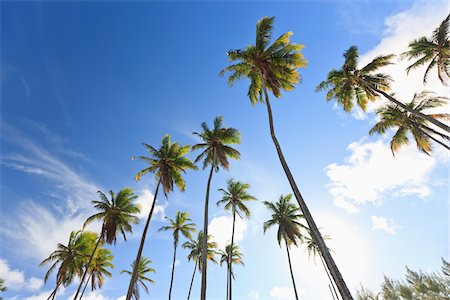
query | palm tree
(167,163)
(179,225)
(234,199)
(287,216)
(3,287)
(71,258)
(196,254)
(392,116)
(231,256)
(142,269)
(216,152)
(350,84)
(98,269)
(434,50)
(273,68)
(116,216)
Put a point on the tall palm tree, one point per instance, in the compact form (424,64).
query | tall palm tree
(216,152)
(287,217)
(273,68)
(350,84)
(231,256)
(234,198)
(434,50)
(142,269)
(98,269)
(117,215)
(70,259)
(179,225)
(392,116)
(196,254)
(168,163)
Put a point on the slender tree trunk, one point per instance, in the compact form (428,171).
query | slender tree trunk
(100,238)
(230,255)
(205,233)
(85,286)
(436,140)
(141,246)
(331,292)
(192,281)
(409,109)
(228,282)
(315,234)
(53,294)
(329,277)
(290,268)
(173,269)
(444,136)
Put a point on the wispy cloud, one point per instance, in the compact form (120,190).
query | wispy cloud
(15,279)
(382,223)
(220,229)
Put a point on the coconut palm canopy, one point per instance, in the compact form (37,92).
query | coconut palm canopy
(85,83)
(143,278)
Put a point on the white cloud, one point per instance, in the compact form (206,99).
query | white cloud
(220,228)
(122,297)
(34,284)
(372,170)
(253,294)
(381,223)
(14,279)
(46,294)
(282,293)
(145,201)
(95,295)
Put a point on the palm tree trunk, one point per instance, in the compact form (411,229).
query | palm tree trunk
(173,269)
(329,277)
(85,286)
(100,238)
(290,268)
(230,255)
(340,283)
(228,282)
(141,246)
(409,109)
(436,140)
(331,292)
(444,136)
(192,281)
(205,233)
(53,294)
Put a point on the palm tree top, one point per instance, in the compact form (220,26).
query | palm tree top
(195,247)
(287,216)
(116,214)
(235,196)
(351,84)
(167,163)
(266,66)
(215,144)
(142,270)
(180,225)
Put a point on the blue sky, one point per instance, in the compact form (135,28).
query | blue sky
(85,83)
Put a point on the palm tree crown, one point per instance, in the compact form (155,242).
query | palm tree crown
(167,163)
(215,145)
(180,225)
(195,247)
(117,214)
(99,267)
(434,50)
(233,255)
(268,66)
(142,269)
(392,116)
(287,216)
(235,196)
(350,84)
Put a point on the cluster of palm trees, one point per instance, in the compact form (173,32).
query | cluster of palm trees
(271,69)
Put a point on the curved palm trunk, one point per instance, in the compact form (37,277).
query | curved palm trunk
(228,282)
(53,294)
(290,268)
(192,281)
(141,247)
(331,292)
(444,136)
(329,278)
(205,233)
(100,238)
(230,255)
(436,140)
(409,109)
(337,277)
(85,286)
(173,269)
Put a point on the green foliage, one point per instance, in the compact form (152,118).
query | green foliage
(2,287)
(287,216)
(180,225)
(215,145)
(268,67)
(235,197)
(350,85)
(392,116)
(141,278)
(116,214)
(195,247)
(99,266)
(231,255)
(167,163)
(417,285)
(434,51)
